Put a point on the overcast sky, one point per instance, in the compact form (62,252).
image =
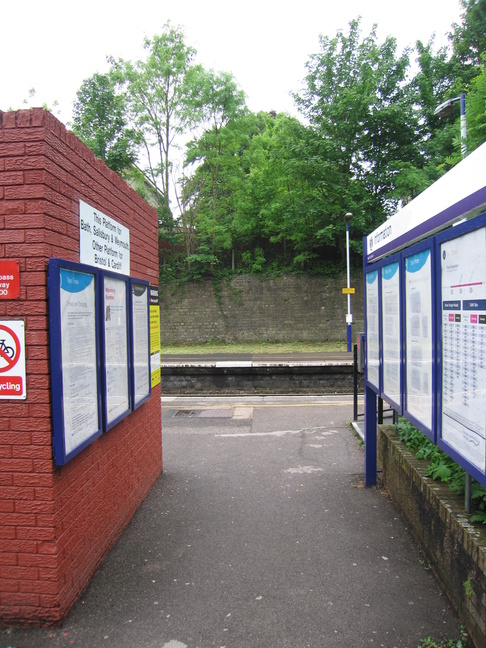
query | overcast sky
(54,45)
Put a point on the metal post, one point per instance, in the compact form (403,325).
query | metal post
(467,497)
(446,108)
(349,317)
(380,411)
(355,383)
(462,99)
(370,437)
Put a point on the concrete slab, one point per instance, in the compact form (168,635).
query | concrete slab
(259,534)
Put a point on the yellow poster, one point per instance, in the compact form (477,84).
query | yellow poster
(154,336)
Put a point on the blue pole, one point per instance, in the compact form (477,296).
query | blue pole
(370,437)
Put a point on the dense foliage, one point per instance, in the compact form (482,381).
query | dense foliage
(238,191)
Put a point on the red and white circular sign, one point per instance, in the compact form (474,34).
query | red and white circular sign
(10,348)
(12,359)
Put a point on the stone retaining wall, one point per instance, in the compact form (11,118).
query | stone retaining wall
(250,309)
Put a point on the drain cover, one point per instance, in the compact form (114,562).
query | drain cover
(187,413)
(227,412)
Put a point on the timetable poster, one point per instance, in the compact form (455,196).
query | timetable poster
(154,336)
(141,358)
(372,329)
(463,294)
(390,308)
(418,336)
(79,361)
(116,348)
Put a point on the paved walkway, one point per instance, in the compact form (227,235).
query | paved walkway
(259,534)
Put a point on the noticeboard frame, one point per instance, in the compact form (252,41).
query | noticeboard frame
(372,272)
(139,399)
(378,385)
(411,413)
(395,259)
(456,233)
(115,341)
(154,336)
(63,315)
(436,217)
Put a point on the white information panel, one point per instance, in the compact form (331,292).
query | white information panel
(463,313)
(372,330)
(78,351)
(418,336)
(141,345)
(391,318)
(116,348)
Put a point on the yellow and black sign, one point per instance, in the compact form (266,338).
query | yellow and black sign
(154,336)
(348,291)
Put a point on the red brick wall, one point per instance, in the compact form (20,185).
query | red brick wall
(57,524)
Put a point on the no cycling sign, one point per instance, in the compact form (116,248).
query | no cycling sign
(12,359)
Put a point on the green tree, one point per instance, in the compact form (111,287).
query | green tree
(358,100)
(476,110)
(99,120)
(160,96)
(433,140)
(447,76)
(215,156)
(469,37)
(288,179)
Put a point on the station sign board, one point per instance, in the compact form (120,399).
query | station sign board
(103,242)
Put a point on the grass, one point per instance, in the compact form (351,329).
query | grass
(211,348)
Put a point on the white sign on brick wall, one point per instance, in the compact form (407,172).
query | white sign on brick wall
(103,242)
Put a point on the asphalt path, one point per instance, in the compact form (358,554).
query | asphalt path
(259,534)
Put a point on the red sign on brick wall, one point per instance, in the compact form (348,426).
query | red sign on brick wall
(9,279)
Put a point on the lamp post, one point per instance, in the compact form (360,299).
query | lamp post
(446,109)
(349,317)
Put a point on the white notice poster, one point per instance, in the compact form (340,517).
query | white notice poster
(390,297)
(78,351)
(372,329)
(418,336)
(463,301)
(141,349)
(116,348)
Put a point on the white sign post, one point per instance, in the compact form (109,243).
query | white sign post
(12,360)
(103,242)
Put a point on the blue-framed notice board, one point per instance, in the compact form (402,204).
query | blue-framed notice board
(100,352)
(75,357)
(425,322)
(461,331)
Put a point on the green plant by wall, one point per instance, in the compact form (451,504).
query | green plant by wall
(430,642)
(468,588)
(442,467)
